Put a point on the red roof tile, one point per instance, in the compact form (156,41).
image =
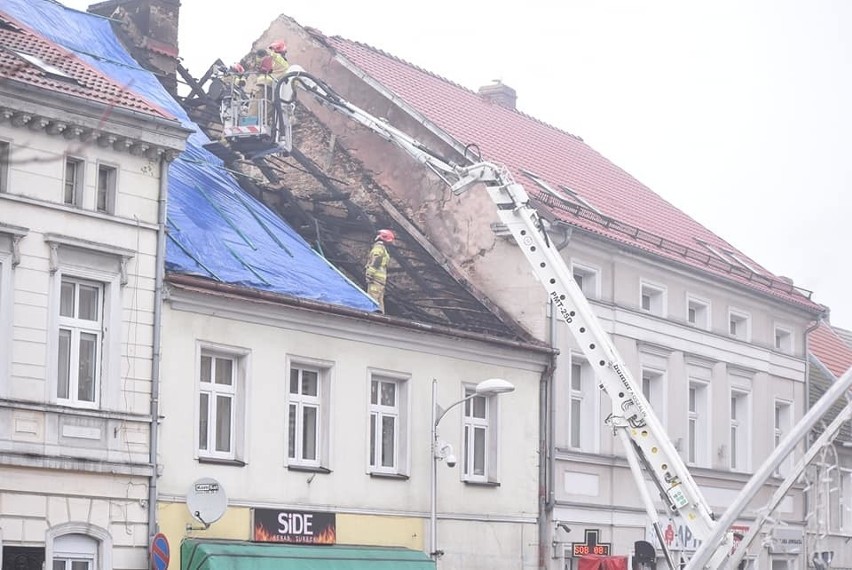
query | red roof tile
(82,80)
(627,210)
(830,349)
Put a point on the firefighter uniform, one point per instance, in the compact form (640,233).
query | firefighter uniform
(377,272)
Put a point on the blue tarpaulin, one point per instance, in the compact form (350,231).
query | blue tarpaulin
(215,228)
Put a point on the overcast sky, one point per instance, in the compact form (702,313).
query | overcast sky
(738,112)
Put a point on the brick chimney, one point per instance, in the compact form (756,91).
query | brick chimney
(149,31)
(499,94)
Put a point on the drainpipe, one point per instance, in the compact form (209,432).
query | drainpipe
(153,525)
(546,447)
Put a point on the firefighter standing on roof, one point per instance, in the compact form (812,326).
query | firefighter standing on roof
(377,267)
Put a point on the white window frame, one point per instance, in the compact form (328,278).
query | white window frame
(739,441)
(782,339)
(8,259)
(782,413)
(94,262)
(101,559)
(400,411)
(583,396)
(698,412)
(657,301)
(111,189)
(703,307)
(322,401)
(470,423)
(590,277)
(742,320)
(237,392)
(76,327)
(79,182)
(5,155)
(653,384)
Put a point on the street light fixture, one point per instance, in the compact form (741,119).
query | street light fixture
(439,450)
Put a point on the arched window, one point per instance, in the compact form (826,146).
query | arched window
(74,552)
(78,546)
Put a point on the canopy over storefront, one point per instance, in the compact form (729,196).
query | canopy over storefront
(212,555)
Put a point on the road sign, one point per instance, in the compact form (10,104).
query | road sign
(160,552)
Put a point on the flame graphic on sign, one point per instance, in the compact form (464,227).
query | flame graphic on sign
(327,536)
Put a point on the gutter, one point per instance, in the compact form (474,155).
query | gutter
(159,277)
(203,285)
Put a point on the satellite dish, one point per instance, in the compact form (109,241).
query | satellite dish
(206,501)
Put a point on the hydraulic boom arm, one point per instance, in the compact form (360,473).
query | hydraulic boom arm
(632,413)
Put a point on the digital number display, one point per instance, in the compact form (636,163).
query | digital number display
(583,549)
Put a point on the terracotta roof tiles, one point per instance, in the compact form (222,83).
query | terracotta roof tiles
(630,212)
(830,349)
(75,77)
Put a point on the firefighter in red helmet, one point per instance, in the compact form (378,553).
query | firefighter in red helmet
(377,267)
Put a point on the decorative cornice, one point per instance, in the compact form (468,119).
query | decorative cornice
(70,131)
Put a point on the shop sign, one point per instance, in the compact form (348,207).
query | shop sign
(786,541)
(301,527)
(678,536)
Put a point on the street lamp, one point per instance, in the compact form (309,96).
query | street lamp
(490,387)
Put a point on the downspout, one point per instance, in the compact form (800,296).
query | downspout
(546,447)
(159,275)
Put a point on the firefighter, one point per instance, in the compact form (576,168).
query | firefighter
(278,57)
(377,267)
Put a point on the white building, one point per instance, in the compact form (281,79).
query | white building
(82,173)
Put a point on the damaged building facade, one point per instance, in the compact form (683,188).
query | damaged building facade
(710,333)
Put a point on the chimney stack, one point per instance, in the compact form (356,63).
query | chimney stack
(499,94)
(149,31)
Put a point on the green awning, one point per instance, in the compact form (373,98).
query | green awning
(222,555)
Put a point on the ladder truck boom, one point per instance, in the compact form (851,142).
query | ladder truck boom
(632,415)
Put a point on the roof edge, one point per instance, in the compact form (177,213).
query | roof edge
(191,283)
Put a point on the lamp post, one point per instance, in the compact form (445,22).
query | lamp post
(490,387)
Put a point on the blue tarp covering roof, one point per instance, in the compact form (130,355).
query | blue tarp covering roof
(216,229)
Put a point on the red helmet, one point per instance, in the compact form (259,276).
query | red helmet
(278,46)
(238,68)
(386,236)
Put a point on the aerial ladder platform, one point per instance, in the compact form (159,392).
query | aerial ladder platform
(647,446)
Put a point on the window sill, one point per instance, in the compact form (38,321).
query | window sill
(380,475)
(308,469)
(218,461)
(481,483)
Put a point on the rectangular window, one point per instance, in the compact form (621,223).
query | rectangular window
(583,410)
(739,431)
(218,404)
(782,423)
(388,426)
(653,389)
(698,312)
(653,299)
(80,334)
(587,279)
(73,190)
(697,424)
(783,340)
(304,415)
(476,436)
(4,166)
(106,188)
(739,325)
